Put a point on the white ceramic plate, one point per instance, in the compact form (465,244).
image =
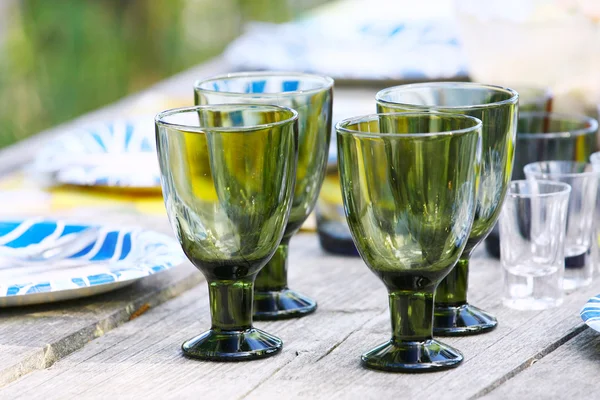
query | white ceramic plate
(119,154)
(44,261)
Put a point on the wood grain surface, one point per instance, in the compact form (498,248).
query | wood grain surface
(142,358)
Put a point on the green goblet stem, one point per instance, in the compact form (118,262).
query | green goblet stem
(452,291)
(412,315)
(232,337)
(272,298)
(412,347)
(453,315)
(231,304)
(273,276)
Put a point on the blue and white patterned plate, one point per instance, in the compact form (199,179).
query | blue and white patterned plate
(590,313)
(43,261)
(118,154)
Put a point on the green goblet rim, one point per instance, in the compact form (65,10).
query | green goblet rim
(560,175)
(514,96)
(591,125)
(159,119)
(342,130)
(327,83)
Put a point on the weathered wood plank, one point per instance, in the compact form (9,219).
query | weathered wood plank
(520,337)
(152,341)
(569,372)
(321,352)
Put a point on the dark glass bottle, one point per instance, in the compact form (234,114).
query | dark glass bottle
(332,228)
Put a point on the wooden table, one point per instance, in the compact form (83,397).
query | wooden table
(126,344)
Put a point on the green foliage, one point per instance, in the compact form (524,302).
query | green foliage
(62,58)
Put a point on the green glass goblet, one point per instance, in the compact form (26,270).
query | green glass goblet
(311,96)
(497,108)
(228,176)
(409,184)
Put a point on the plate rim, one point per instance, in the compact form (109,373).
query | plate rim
(177,256)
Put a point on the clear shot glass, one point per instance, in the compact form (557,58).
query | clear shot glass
(579,244)
(532,240)
(543,136)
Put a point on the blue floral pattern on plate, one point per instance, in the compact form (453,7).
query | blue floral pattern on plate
(118,153)
(590,313)
(107,258)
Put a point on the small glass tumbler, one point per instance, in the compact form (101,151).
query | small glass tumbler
(545,136)
(579,261)
(532,237)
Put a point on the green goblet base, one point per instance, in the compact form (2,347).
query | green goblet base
(282,304)
(461,320)
(250,344)
(420,356)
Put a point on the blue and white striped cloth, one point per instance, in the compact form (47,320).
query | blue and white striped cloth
(590,313)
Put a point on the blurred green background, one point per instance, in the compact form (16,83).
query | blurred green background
(62,58)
